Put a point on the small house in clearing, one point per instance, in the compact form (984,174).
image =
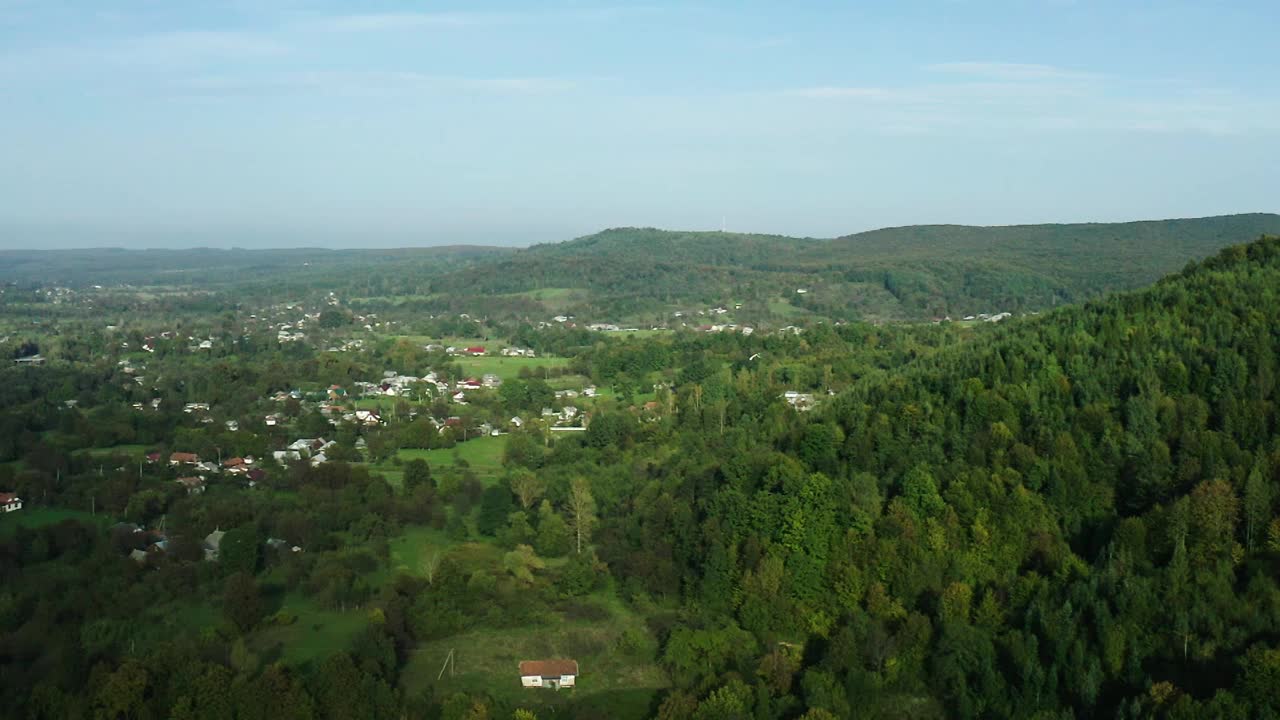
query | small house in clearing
(10,502)
(553,674)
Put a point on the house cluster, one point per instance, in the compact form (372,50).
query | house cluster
(354,345)
(146,543)
(518,352)
(471,351)
(588,391)
(569,418)
(310,449)
(989,317)
(729,327)
(802,402)
(237,467)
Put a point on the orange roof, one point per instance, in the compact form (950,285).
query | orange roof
(548,668)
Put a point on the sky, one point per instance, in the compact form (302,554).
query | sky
(278,123)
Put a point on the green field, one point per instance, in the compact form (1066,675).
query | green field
(317,633)
(486,661)
(483,455)
(508,368)
(30,517)
(783,308)
(414,544)
(136,451)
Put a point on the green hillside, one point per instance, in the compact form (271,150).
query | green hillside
(916,272)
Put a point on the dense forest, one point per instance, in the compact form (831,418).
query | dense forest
(1072,514)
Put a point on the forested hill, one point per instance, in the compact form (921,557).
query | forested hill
(895,273)
(644,276)
(1077,516)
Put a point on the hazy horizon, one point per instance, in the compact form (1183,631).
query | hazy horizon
(226,123)
(226,240)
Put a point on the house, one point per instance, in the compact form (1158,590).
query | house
(490,380)
(233,426)
(553,674)
(212,544)
(475,350)
(307,445)
(181,458)
(516,422)
(194,485)
(31,360)
(10,502)
(798,400)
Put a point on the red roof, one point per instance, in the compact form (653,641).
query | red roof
(6,498)
(475,349)
(184,457)
(548,668)
(233,462)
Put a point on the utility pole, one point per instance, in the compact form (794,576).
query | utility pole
(448,663)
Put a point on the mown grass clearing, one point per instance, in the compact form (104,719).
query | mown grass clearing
(34,517)
(483,455)
(486,661)
(133,451)
(414,545)
(508,368)
(316,634)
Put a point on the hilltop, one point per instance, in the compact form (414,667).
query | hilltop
(646,275)
(915,272)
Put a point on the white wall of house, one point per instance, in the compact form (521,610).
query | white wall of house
(15,504)
(531,680)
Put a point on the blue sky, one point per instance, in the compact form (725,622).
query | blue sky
(295,122)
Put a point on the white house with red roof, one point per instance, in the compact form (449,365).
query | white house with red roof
(10,502)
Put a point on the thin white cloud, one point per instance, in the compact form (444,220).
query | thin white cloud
(367,84)
(160,52)
(406,21)
(1008,71)
(1040,98)
(384,22)
(829,92)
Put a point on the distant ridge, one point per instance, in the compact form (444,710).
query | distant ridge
(645,275)
(910,272)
